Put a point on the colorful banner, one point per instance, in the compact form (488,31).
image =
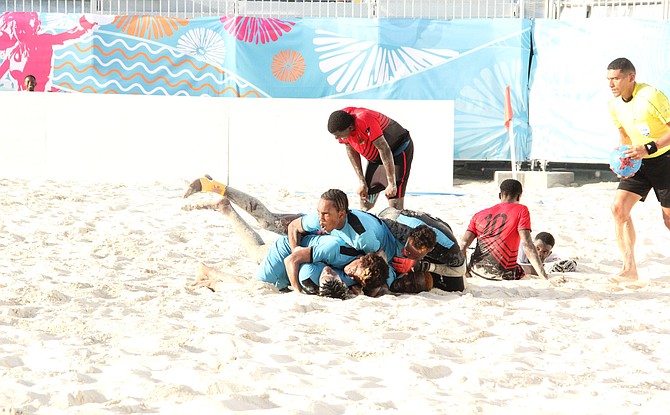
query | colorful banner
(467,61)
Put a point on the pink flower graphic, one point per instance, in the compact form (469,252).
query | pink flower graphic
(256,29)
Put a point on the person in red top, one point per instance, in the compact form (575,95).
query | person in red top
(384,143)
(499,230)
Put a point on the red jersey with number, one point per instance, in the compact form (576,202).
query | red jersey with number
(369,125)
(497,231)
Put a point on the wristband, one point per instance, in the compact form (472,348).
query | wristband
(651,147)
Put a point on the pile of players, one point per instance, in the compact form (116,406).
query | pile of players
(338,252)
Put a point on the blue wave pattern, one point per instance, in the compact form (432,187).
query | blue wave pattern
(114,64)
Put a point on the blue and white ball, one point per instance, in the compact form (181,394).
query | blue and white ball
(621,165)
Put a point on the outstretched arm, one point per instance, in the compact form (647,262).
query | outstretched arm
(531,252)
(355,160)
(466,240)
(389,167)
(74,33)
(295,232)
(298,257)
(216,280)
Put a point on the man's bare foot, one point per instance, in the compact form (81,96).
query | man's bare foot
(202,272)
(624,276)
(203,277)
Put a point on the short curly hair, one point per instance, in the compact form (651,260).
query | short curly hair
(376,273)
(338,197)
(546,237)
(423,237)
(340,121)
(333,289)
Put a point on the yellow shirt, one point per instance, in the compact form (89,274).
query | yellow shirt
(645,117)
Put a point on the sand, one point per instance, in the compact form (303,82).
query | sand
(97,315)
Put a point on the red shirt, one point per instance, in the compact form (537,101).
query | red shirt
(368,126)
(497,230)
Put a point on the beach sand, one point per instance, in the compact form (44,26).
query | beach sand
(97,317)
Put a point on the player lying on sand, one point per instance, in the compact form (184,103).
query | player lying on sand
(332,217)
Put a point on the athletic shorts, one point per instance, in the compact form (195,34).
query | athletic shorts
(654,174)
(451,284)
(375,175)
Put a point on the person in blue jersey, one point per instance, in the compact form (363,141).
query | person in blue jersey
(369,271)
(368,241)
(358,229)
(445,261)
(324,252)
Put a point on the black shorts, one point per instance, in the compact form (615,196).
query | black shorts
(654,174)
(375,175)
(451,284)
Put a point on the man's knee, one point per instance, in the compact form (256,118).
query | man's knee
(666,218)
(619,211)
(397,203)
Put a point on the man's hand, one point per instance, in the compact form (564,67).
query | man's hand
(363,192)
(207,283)
(391,190)
(636,152)
(402,265)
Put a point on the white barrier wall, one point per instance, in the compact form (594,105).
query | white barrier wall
(133,138)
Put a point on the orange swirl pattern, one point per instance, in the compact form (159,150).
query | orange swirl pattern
(149,27)
(288,66)
(151,81)
(130,58)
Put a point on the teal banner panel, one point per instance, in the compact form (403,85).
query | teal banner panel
(569,90)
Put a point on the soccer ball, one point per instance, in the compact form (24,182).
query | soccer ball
(621,165)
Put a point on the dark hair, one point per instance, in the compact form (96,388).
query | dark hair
(546,237)
(338,197)
(339,121)
(621,64)
(376,274)
(423,237)
(30,76)
(511,187)
(333,289)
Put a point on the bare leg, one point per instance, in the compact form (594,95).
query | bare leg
(625,233)
(273,222)
(398,203)
(206,276)
(216,280)
(666,217)
(251,240)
